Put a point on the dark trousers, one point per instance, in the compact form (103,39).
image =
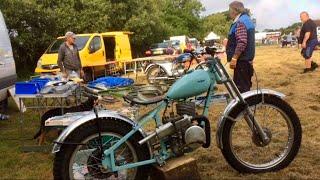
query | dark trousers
(242,75)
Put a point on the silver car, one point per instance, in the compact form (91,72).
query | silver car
(8,74)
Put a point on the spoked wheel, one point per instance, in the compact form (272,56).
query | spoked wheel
(246,152)
(85,161)
(157,76)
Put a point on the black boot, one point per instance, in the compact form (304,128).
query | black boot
(314,65)
(307,70)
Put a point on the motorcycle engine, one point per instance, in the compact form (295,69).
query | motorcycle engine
(190,136)
(184,131)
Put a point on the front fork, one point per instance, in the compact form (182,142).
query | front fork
(235,93)
(255,126)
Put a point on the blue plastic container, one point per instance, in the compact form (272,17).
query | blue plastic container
(41,82)
(27,88)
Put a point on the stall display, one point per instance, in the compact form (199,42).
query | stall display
(40,95)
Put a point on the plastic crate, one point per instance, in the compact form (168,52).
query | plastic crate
(27,88)
(41,82)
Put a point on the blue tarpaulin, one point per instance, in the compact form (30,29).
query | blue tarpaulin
(111,82)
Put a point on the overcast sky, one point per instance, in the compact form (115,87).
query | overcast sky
(270,14)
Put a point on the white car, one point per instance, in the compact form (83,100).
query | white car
(8,74)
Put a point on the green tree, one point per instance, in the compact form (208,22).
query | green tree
(290,29)
(218,23)
(182,17)
(31,30)
(36,23)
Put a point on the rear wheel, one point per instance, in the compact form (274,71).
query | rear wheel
(157,76)
(246,153)
(85,161)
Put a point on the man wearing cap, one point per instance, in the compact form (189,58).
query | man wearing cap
(308,40)
(68,56)
(241,46)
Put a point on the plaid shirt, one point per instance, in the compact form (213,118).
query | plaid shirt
(242,38)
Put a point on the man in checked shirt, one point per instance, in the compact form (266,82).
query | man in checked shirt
(241,46)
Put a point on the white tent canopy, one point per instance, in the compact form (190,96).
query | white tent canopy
(212,36)
(260,35)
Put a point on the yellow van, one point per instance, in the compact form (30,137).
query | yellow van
(96,51)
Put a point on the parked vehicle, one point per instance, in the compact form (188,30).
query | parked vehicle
(158,49)
(194,42)
(258,131)
(176,45)
(8,74)
(96,49)
(183,40)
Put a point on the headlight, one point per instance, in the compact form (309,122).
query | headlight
(39,63)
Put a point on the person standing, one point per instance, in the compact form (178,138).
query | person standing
(68,56)
(241,46)
(308,41)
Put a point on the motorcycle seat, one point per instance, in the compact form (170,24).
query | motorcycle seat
(139,101)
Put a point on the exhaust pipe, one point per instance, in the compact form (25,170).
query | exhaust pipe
(161,132)
(168,128)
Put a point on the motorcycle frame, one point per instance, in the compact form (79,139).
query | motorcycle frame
(164,154)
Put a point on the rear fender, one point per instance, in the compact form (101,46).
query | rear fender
(81,119)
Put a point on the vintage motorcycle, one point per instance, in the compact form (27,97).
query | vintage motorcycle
(257,132)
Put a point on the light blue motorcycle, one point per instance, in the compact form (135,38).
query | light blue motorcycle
(257,132)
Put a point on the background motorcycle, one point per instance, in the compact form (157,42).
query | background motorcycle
(166,72)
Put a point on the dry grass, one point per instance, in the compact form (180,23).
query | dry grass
(277,69)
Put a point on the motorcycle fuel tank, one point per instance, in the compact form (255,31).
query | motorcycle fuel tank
(192,84)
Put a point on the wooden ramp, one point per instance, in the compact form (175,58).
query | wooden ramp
(178,168)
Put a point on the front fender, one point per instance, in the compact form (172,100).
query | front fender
(84,117)
(234,103)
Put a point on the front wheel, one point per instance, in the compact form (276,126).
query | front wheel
(246,153)
(85,161)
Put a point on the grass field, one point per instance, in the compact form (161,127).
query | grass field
(277,69)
